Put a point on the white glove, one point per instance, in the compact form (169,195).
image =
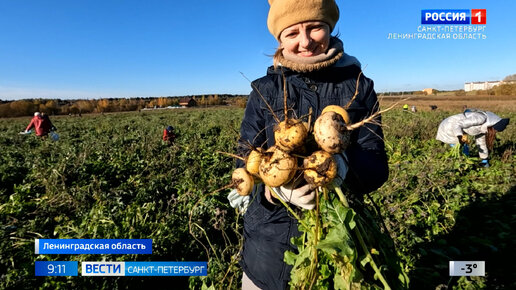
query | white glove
(238,201)
(342,168)
(303,196)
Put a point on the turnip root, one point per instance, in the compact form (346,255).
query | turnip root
(290,134)
(277,167)
(320,168)
(331,133)
(339,110)
(253,161)
(242,181)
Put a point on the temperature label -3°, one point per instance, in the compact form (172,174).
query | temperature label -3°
(467,268)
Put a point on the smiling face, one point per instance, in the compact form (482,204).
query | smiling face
(305,39)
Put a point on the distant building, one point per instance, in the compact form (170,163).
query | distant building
(187,102)
(428,91)
(474,86)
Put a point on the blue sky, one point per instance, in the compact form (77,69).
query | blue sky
(129,48)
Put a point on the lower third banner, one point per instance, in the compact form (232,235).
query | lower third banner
(144,268)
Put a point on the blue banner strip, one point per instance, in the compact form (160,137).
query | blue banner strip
(166,268)
(93,246)
(445,16)
(56,268)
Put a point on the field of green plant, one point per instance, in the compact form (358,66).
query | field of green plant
(110,176)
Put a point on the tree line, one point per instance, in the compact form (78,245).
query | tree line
(27,107)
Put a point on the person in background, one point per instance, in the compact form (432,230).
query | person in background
(483,125)
(168,135)
(41,123)
(317,73)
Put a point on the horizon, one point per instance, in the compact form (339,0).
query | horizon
(200,95)
(104,49)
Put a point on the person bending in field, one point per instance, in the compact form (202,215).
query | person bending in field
(168,135)
(318,73)
(41,123)
(483,125)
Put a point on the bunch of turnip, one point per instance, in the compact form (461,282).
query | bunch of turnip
(293,156)
(280,164)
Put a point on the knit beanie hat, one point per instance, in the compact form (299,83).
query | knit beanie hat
(284,13)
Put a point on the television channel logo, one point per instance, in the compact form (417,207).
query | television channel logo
(453,16)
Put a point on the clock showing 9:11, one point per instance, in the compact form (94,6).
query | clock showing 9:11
(56,268)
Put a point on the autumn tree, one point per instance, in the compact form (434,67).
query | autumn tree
(5,110)
(241,102)
(164,102)
(74,109)
(86,106)
(23,108)
(51,107)
(505,89)
(103,106)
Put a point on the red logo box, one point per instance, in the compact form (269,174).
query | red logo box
(478,16)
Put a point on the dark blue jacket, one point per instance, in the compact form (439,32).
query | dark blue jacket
(267,227)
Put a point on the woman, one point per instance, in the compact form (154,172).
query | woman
(317,73)
(168,135)
(481,124)
(41,122)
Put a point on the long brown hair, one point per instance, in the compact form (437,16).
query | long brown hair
(490,138)
(277,56)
